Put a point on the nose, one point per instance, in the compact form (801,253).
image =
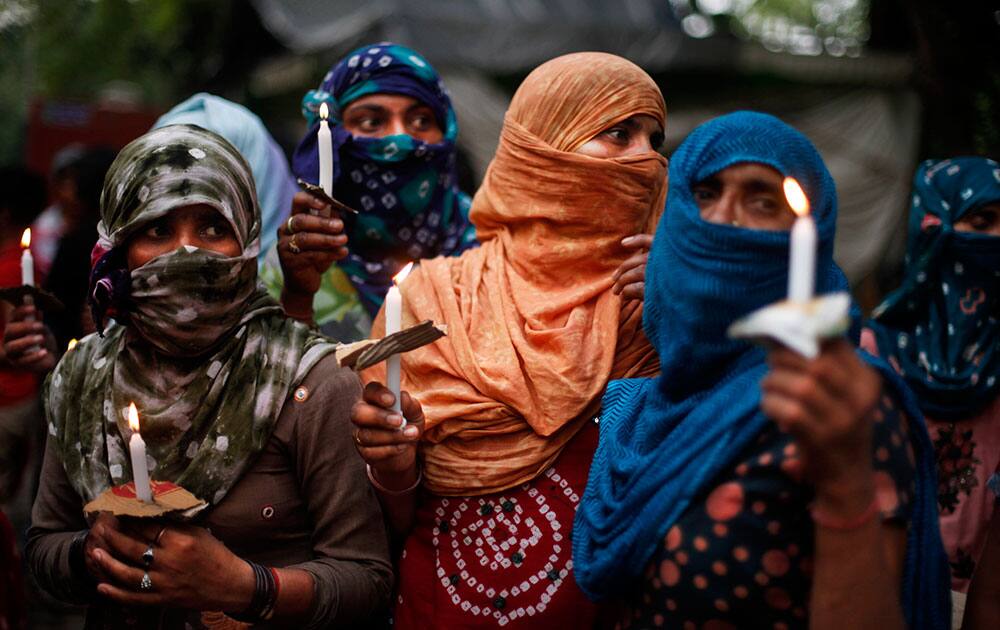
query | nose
(397,126)
(722,210)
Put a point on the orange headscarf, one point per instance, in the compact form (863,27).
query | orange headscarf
(534,331)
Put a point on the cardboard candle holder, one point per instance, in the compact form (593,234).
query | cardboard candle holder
(169,500)
(42,299)
(799,325)
(368,352)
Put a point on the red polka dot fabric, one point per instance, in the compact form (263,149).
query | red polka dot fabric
(742,554)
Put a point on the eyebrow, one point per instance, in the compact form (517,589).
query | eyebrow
(760,185)
(369,107)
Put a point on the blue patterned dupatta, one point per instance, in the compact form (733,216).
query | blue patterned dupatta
(405,189)
(664,440)
(939,330)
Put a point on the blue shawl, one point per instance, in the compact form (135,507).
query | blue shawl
(939,329)
(664,440)
(406,189)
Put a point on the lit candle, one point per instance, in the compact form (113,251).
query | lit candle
(137,449)
(393,324)
(802,257)
(27,262)
(325,142)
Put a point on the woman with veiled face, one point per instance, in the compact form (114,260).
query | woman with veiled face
(485,478)
(239,405)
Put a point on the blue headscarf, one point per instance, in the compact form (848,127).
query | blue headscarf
(245,131)
(939,329)
(664,440)
(406,189)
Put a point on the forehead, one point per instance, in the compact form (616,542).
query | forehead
(748,172)
(391,102)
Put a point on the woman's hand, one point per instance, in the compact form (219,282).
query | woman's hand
(308,244)
(825,404)
(190,568)
(390,451)
(27,343)
(630,277)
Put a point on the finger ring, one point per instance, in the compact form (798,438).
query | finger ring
(357,438)
(145,584)
(147,556)
(159,535)
(293,246)
(288,225)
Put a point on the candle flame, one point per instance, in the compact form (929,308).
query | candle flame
(324,111)
(133,417)
(26,238)
(795,196)
(72,344)
(405,271)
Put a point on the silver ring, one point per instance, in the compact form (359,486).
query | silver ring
(288,225)
(145,584)
(293,246)
(147,556)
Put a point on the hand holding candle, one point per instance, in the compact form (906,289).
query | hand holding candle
(137,450)
(802,257)
(393,324)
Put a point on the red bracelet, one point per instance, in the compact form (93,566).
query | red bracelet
(277,592)
(844,524)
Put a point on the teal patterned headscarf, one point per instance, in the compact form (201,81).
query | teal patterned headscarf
(206,355)
(939,330)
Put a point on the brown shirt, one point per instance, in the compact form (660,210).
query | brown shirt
(305,503)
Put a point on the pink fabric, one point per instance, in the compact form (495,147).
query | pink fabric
(968,453)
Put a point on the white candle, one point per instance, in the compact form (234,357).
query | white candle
(802,257)
(393,324)
(137,449)
(27,262)
(325,142)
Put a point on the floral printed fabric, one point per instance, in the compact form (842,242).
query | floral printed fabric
(744,550)
(967,453)
(207,357)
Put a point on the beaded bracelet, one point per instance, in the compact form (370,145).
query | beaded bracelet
(844,524)
(383,489)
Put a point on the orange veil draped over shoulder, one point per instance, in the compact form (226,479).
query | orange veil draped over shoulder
(534,331)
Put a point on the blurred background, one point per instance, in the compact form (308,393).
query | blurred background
(876,84)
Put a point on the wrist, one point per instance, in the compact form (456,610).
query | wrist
(395,482)
(297,304)
(240,588)
(847,495)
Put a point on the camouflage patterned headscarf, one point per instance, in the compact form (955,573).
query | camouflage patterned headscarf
(208,358)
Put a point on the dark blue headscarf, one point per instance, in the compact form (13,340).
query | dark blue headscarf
(939,329)
(664,440)
(406,189)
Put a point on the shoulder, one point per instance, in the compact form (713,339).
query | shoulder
(322,401)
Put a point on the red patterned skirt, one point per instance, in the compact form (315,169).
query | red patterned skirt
(502,559)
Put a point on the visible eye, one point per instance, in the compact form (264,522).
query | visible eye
(983,220)
(369,124)
(764,205)
(422,121)
(656,140)
(216,229)
(620,135)
(157,231)
(704,194)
